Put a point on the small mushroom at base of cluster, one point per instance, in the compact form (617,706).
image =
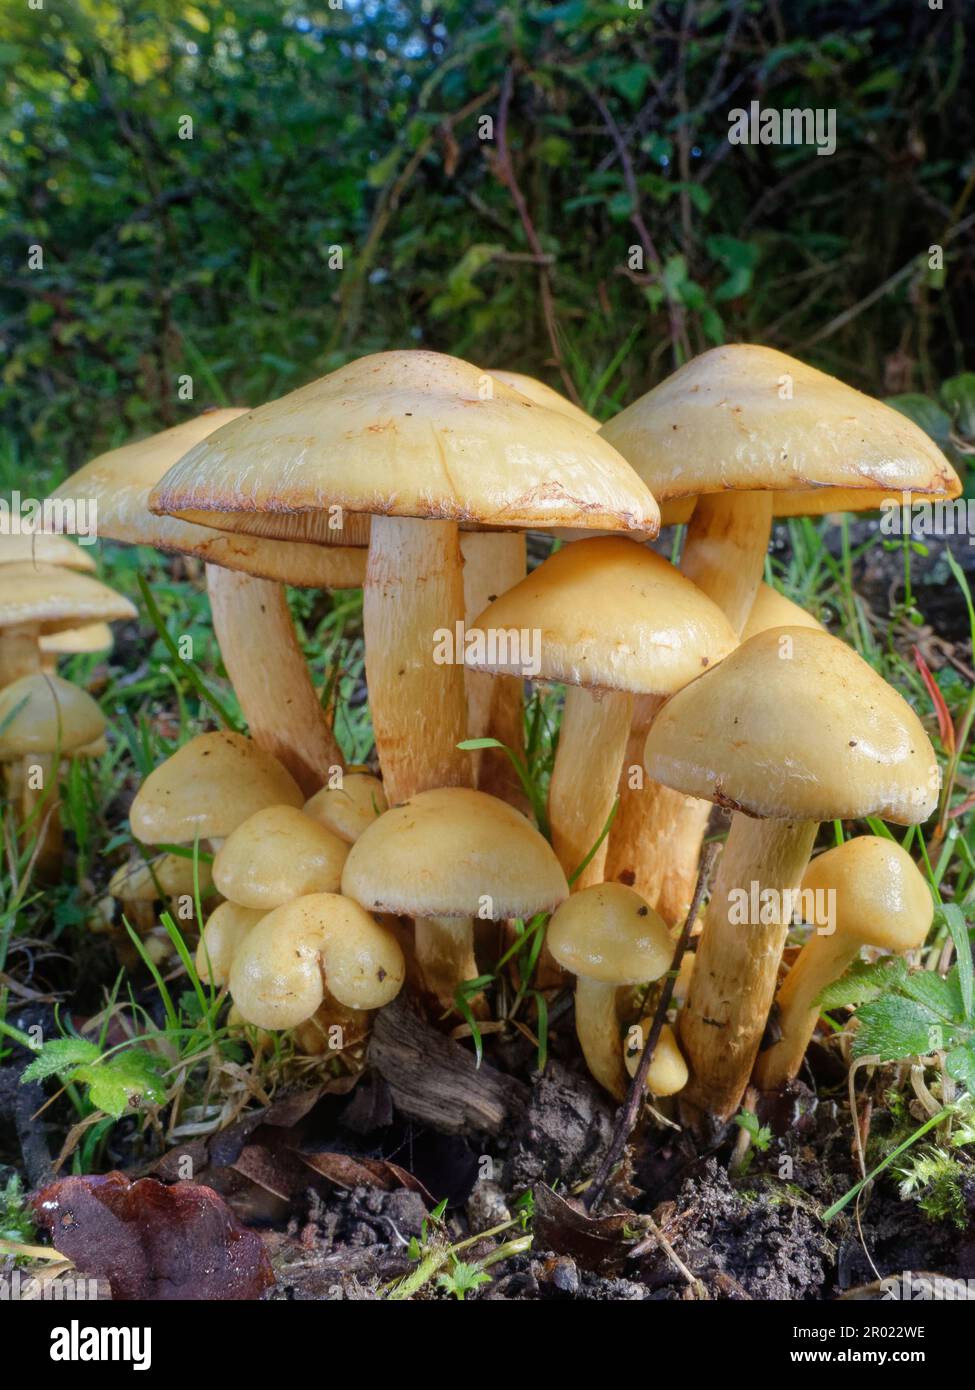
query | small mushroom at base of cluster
(225,930)
(167,878)
(283,966)
(351,807)
(880,900)
(668,1071)
(607,936)
(276,855)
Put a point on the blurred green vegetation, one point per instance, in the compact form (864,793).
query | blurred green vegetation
(356,126)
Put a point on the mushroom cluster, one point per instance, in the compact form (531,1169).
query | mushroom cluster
(417,477)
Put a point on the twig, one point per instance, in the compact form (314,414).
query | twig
(628,1114)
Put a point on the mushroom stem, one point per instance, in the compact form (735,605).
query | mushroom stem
(41,813)
(20,653)
(592,742)
(823,959)
(493,564)
(737,962)
(657,834)
(260,650)
(414,595)
(598,1030)
(445,954)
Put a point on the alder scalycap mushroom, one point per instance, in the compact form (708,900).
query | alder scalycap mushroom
(882,899)
(44,714)
(668,1071)
(772,609)
(282,967)
(540,394)
(350,809)
(226,928)
(795,725)
(609,933)
(78,641)
(277,854)
(165,876)
(53,598)
(43,548)
(207,788)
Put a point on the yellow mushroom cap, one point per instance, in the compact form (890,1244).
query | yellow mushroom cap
(750,418)
(165,876)
(121,480)
(350,809)
(207,788)
(795,725)
(609,614)
(668,1071)
(45,714)
(772,609)
(610,934)
(41,548)
(881,897)
(278,854)
(53,598)
(225,929)
(411,434)
(281,968)
(454,853)
(541,394)
(91,637)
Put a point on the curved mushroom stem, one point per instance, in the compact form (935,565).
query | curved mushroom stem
(737,964)
(413,596)
(592,743)
(256,635)
(40,809)
(493,564)
(445,954)
(598,1030)
(20,653)
(657,833)
(823,959)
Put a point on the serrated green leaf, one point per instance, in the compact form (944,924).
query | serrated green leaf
(893,1028)
(938,994)
(113,1083)
(58,1057)
(861,983)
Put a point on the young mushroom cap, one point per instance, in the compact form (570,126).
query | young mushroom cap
(43,548)
(282,967)
(78,641)
(668,1071)
(540,394)
(454,853)
(225,929)
(772,609)
(608,933)
(794,724)
(53,598)
(207,788)
(44,714)
(165,876)
(277,854)
(350,809)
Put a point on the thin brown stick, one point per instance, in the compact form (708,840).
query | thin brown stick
(627,1116)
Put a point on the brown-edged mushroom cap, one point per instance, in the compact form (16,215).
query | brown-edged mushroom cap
(164,876)
(540,394)
(43,715)
(607,936)
(772,609)
(226,928)
(668,1071)
(282,967)
(43,548)
(866,892)
(278,854)
(794,724)
(350,808)
(51,598)
(207,788)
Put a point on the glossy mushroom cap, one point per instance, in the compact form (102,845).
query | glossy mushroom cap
(668,1071)
(225,929)
(795,725)
(278,854)
(350,809)
(165,876)
(610,934)
(207,788)
(281,968)
(121,480)
(41,548)
(454,853)
(412,434)
(750,418)
(53,597)
(611,615)
(881,897)
(772,609)
(45,714)
(541,394)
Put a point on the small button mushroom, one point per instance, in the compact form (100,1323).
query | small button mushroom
(668,1070)
(881,900)
(443,858)
(278,854)
(142,882)
(40,599)
(349,809)
(226,928)
(283,966)
(608,936)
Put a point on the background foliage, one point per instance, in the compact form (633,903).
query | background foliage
(358,127)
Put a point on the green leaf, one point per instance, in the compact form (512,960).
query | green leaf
(893,1028)
(958,394)
(861,983)
(631,82)
(954,919)
(60,1056)
(129,1075)
(960,1063)
(938,994)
